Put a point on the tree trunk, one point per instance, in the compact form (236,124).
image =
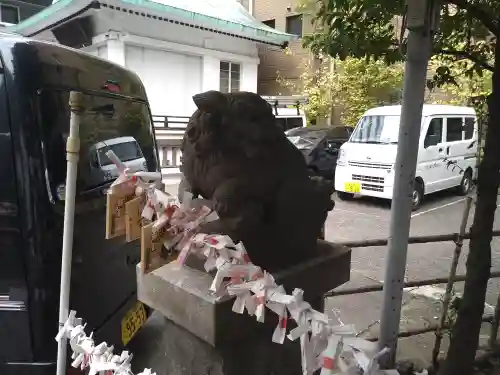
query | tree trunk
(465,333)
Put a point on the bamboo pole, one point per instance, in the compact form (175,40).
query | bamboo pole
(408,284)
(377,242)
(494,325)
(449,285)
(423,330)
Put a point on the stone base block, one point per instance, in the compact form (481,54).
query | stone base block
(181,295)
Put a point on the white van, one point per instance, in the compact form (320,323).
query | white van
(447,153)
(288,110)
(102,169)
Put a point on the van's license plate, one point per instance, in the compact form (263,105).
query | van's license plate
(352,187)
(132,321)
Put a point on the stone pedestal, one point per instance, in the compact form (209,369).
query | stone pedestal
(235,344)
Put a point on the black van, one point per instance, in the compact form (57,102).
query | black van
(35,81)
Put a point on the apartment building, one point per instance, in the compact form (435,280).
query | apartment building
(281,15)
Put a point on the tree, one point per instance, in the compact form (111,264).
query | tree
(469,31)
(464,90)
(351,86)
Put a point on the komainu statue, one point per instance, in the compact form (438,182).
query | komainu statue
(236,156)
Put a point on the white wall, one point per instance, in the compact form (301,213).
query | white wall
(170,78)
(173,72)
(249,77)
(97,50)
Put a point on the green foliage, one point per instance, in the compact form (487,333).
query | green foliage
(458,88)
(367,29)
(351,86)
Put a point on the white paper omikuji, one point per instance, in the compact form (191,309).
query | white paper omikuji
(147,371)
(146,176)
(254,290)
(116,161)
(331,354)
(86,355)
(313,327)
(298,310)
(244,298)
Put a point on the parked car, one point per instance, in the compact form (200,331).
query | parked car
(320,146)
(447,153)
(35,81)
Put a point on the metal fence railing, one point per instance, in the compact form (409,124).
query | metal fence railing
(444,324)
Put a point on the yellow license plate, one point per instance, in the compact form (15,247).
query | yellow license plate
(352,187)
(132,321)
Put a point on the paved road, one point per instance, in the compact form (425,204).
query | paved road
(367,218)
(441,213)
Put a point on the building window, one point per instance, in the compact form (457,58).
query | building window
(229,77)
(294,24)
(9,14)
(270,23)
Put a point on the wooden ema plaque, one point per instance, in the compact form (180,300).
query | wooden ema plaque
(133,219)
(115,215)
(152,254)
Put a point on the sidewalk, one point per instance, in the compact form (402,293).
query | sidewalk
(420,309)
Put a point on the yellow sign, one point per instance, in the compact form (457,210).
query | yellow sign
(352,187)
(132,321)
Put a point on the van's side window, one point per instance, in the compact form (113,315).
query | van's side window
(469,127)
(115,124)
(435,129)
(454,129)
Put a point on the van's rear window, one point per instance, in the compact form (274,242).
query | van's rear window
(108,123)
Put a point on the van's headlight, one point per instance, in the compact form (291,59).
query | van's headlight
(341,159)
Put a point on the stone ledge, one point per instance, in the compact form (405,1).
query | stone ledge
(181,294)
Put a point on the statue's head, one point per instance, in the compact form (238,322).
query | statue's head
(241,119)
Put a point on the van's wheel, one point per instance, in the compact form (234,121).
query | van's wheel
(466,183)
(417,196)
(343,196)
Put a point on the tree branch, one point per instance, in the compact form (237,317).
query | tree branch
(466,55)
(479,14)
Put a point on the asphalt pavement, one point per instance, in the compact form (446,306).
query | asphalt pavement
(366,218)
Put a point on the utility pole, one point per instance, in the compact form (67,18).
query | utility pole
(422,21)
